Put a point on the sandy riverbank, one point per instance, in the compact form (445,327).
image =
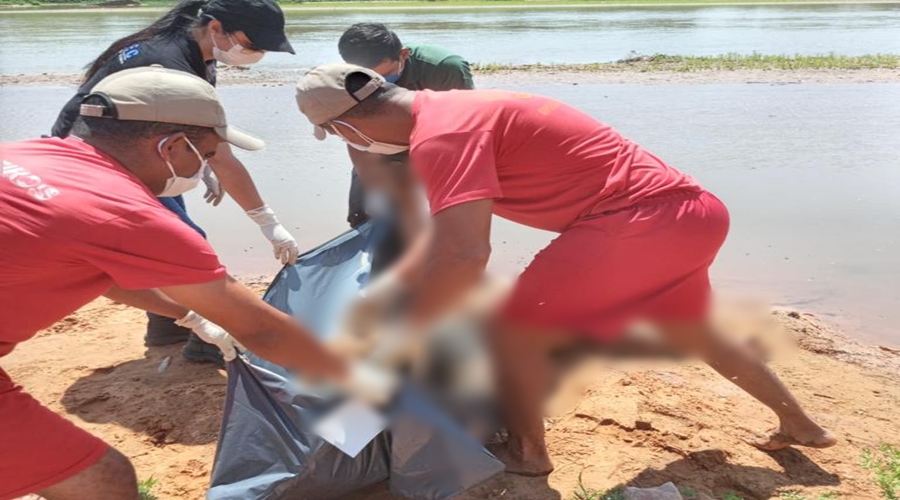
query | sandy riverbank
(93,368)
(499,78)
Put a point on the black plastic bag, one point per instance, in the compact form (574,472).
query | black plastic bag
(266,448)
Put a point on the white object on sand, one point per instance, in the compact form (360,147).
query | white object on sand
(667,491)
(351,426)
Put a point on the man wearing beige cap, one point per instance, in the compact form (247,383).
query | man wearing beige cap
(79,218)
(636,236)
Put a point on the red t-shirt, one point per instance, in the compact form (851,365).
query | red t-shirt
(73,222)
(546,164)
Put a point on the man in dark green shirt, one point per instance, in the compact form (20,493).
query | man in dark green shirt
(414,67)
(426,67)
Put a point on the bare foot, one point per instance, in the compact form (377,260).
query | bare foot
(779,439)
(531,466)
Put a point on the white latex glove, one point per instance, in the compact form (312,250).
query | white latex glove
(211,333)
(369,383)
(214,192)
(284,245)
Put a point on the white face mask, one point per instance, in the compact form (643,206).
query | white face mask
(381,148)
(175,185)
(236,55)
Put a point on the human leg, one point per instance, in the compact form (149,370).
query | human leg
(41,450)
(111,477)
(561,288)
(522,363)
(742,367)
(682,311)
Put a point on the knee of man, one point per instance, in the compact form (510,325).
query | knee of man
(111,477)
(116,468)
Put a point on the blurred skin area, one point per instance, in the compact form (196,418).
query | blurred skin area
(392,176)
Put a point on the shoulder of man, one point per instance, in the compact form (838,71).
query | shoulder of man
(68,179)
(69,192)
(441,69)
(434,56)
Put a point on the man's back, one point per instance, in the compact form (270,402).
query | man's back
(435,68)
(546,164)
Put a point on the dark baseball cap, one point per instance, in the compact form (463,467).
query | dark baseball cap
(261,20)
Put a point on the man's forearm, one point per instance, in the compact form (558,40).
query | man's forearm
(267,332)
(235,179)
(458,251)
(412,264)
(153,301)
(412,216)
(445,280)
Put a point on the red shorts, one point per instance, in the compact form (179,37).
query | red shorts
(649,261)
(38,448)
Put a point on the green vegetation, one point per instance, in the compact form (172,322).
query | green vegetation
(732,496)
(793,495)
(582,493)
(399,4)
(145,489)
(724,62)
(612,494)
(885,464)
(688,493)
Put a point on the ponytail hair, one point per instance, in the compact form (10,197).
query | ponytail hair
(183,16)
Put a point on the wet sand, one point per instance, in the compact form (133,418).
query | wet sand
(235,76)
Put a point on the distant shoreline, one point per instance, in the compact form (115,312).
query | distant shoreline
(9,6)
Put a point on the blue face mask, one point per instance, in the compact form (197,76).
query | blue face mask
(396,76)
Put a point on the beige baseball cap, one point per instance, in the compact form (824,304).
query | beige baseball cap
(157,94)
(323,96)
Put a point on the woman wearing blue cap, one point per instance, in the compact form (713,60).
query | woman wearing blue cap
(192,37)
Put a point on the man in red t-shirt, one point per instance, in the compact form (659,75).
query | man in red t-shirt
(79,218)
(636,236)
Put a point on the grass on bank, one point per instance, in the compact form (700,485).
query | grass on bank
(884,463)
(145,489)
(724,62)
(400,4)
(793,495)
